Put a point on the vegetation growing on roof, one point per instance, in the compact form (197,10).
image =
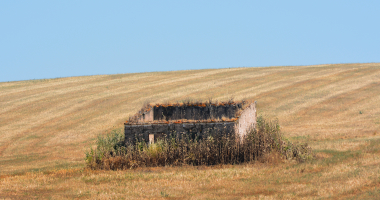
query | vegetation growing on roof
(241,105)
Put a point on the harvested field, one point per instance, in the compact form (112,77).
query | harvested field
(46,125)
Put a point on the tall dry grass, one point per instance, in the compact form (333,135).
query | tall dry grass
(212,149)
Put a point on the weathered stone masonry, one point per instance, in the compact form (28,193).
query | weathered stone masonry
(150,132)
(192,119)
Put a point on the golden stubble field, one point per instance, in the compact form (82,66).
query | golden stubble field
(46,125)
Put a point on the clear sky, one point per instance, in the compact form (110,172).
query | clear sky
(49,39)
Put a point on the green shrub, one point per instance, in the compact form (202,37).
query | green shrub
(266,138)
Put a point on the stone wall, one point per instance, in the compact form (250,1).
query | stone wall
(166,120)
(198,112)
(247,120)
(146,117)
(151,132)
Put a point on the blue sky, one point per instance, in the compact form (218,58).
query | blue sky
(49,39)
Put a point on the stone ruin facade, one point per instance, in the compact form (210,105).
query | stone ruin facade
(163,120)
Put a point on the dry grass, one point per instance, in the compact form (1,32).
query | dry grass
(45,126)
(263,143)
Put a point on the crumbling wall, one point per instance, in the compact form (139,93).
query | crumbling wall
(149,132)
(247,120)
(198,112)
(146,117)
(157,121)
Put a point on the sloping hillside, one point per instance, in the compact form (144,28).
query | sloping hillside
(47,124)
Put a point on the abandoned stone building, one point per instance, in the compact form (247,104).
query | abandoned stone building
(160,120)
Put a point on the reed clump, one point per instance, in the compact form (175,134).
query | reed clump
(260,144)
